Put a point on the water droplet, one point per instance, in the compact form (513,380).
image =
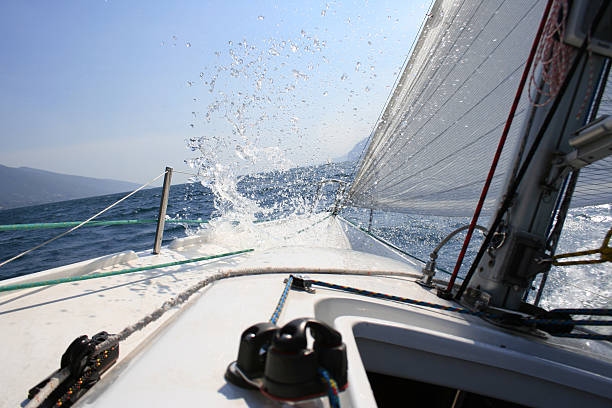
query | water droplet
(188,44)
(369,42)
(325,93)
(357,66)
(230,43)
(367,89)
(260,18)
(323,12)
(272,51)
(343,77)
(189,83)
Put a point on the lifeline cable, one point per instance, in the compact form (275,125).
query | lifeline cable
(43,225)
(390,245)
(82,223)
(113,273)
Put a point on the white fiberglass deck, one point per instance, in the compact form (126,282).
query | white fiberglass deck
(181,358)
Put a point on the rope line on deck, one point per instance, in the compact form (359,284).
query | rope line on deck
(332,387)
(499,317)
(44,225)
(121,272)
(82,223)
(281,301)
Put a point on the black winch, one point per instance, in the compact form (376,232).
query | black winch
(86,364)
(277,360)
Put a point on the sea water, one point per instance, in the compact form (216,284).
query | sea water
(281,194)
(257,110)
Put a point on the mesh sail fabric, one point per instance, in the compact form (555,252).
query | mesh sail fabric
(432,148)
(594,185)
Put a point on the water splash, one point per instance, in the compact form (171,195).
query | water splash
(254,91)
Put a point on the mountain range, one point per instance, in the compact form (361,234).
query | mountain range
(25,186)
(355,152)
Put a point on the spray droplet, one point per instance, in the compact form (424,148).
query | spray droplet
(323,12)
(343,77)
(260,18)
(325,93)
(273,52)
(230,43)
(367,89)
(357,66)
(188,44)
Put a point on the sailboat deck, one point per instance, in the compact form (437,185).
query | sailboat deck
(181,358)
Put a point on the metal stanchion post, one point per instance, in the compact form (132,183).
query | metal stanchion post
(162,211)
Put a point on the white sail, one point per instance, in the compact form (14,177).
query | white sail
(432,148)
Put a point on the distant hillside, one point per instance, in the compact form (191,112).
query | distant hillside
(24,186)
(355,152)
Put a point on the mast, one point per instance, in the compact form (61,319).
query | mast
(521,245)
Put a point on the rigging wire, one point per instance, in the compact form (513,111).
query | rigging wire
(500,147)
(534,146)
(82,223)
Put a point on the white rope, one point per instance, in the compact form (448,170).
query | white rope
(54,381)
(81,224)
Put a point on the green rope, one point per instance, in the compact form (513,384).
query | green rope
(124,271)
(41,225)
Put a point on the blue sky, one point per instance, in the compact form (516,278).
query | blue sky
(114,89)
